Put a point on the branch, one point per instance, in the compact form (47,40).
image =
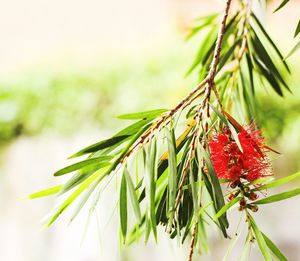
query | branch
(165,119)
(218,48)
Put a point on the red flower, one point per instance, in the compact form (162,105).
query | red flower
(232,163)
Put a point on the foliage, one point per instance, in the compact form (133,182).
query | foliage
(181,187)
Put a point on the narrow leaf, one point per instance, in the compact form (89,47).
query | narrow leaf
(283,3)
(297,31)
(261,27)
(102,161)
(101,145)
(142,115)
(45,192)
(152,179)
(226,207)
(133,196)
(295,48)
(172,177)
(260,240)
(123,207)
(85,184)
(276,251)
(279,197)
(278,182)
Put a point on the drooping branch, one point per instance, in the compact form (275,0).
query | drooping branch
(209,85)
(208,82)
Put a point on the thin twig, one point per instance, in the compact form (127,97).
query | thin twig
(210,85)
(193,241)
(147,136)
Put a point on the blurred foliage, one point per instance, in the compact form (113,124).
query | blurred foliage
(66,102)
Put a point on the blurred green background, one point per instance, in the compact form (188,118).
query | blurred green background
(68,68)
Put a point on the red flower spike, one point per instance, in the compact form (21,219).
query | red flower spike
(230,163)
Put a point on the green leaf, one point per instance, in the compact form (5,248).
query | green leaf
(231,246)
(228,53)
(148,228)
(276,251)
(142,115)
(220,115)
(133,196)
(83,200)
(226,207)
(117,139)
(250,71)
(278,182)
(84,185)
(269,77)
(265,58)
(123,207)
(205,21)
(203,49)
(133,128)
(46,192)
(172,176)
(101,145)
(217,191)
(279,197)
(101,161)
(295,48)
(260,240)
(152,165)
(194,192)
(261,27)
(297,31)
(283,3)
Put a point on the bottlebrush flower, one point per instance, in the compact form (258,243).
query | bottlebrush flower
(232,163)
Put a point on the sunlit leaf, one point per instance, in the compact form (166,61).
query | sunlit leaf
(46,192)
(83,186)
(276,251)
(152,165)
(227,207)
(270,41)
(279,197)
(297,31)
(295,48)
(123,207)
(283,3)
(278,182)
(142,115)
(133,196)
(101,161)
(101,145)
(260,240)
(172,176)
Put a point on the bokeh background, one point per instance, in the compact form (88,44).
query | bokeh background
(66,69)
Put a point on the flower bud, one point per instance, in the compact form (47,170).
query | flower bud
(253,196)
(246,189)
(243,202)
(231,197)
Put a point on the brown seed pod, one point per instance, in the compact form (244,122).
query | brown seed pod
(253,196)
(243,202)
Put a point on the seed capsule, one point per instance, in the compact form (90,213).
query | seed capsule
(246,189)
(243,202)
(253,196)
(253,208)
(231,197)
